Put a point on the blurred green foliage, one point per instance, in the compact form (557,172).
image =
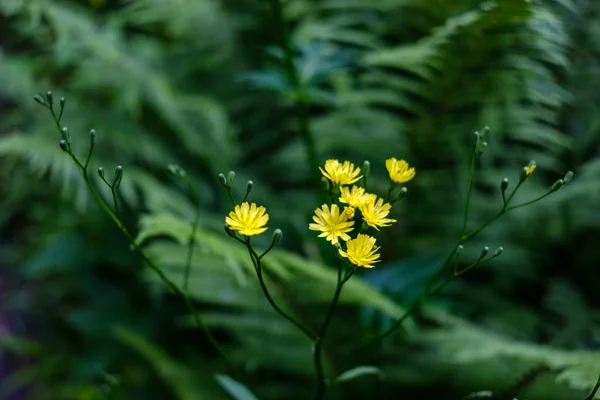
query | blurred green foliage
(202,83)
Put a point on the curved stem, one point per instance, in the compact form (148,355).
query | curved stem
(301,101)
(469,191)
(593,394)
(256,260)
(318,344)
(192,238)
(113,191)
(161,275)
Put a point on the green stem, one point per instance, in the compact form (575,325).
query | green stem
(169,283)
(469,191)
(318,344)
(192,238)
(294,77)
(113,191)
(256,260)
(593,394)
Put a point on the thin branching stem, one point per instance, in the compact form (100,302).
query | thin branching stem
(256,260)
(593,394)
(161,275)
(192,238)
(469,191)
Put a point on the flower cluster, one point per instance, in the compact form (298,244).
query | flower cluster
(336,224)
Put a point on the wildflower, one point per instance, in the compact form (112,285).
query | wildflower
(349,211)
(340,174)
(248,219)
(361,251)
(374,212)
(353,197)
(399,170)
(331,223)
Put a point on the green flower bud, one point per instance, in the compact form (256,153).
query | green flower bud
(325,184)
(92,137)
(50,98)
(366,168)
(223,180)
(65,134)
(557,185)
(402,193)
(101,172)
(229,232)
(63,145)
(568,177)
(173,169)
(483,253)
(498,251)
(504,185)
(231,179)
(459,249)
(62,103)
(476,139)
(118,176)
(277,235)
(249,186)
(39,99)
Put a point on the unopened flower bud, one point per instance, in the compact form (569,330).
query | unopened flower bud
(568,177)
(62,103)
(277,235)
(338,248)
(65,134)
(249,187)
(101,172)
(39,99)
(325,184)
(504,185)
(484,252)
(476,138)
(118,176)
(402,193)
(230,178)
(366,168)
(173,169)
(228,231)
(63,145)
(526,171)
(498,251)
(223,180)
(459,249)
(92,137)
(50,98)
(557,185)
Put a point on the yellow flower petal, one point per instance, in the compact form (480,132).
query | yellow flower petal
(340,173)
(361,251)
(399,170)
(333,224)
(374,212)
(248,219)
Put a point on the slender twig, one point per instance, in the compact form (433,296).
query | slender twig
(113,191)
(161,275)
(593,394)
(318,344)
(192,238)
(256,260)
(301,98)
(469,191)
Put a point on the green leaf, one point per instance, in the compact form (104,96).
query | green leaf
(358,372)
(235,389)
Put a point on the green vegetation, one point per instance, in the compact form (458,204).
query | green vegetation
(271,89)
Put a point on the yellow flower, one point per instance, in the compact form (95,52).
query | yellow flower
(349,211)
(399,171)
(361,251)
(331,223)
(529,170)
(248,219)
(374,212)
(353,197)
(341,174)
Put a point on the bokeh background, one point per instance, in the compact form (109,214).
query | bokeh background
(204,84)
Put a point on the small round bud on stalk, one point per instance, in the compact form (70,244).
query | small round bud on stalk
(338,247)
(482,147)
(325,184)
(459,249)
(504,184)
(277,235)
(402,193)
(557,185)
(366,168)
(39,100)
(483,253)
(63,145)
(231,179)
(62,103)
(65,134)
(173,169)
(498,251)
(92,137)
(476,138)
(50,98)
(118,176)
(223,180)
(101,172)
(249,186)
(568,177)
(528,170)
(229,232)
(485,131)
